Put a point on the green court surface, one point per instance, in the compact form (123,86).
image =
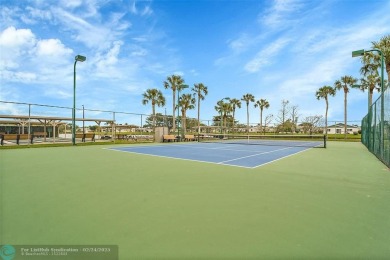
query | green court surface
(329,203)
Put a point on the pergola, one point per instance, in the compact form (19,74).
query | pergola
(24,121)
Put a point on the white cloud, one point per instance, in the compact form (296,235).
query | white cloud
(22,55)
(281,12)
(52,48)
(263,57)
(194,72)
(71,3)
(106,63)
(16,38)
(15,44)
(133,8)
(39,13)
(146,10)
(93,36)
(140,39)
(139,51)
(8,108)
(241,43)
(18,76)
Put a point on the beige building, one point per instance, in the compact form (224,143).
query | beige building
(339,129)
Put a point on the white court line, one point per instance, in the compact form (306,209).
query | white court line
(193,146)
(281,158)
(220,149)
(177,158)
(216,163)
(255,155)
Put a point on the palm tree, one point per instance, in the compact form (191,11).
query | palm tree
(345,83)
(219,109)
(156,98)
(186,102)
(370,83)
(234,103)
(324,92)
(247,98)
(371,63)
(223,109)
(200,92)
(262,103)
(226,109)
(384,45)
(174,82)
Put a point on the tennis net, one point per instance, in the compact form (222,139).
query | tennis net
(278,140)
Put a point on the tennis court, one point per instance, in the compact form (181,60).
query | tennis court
(328,203)
(226,153)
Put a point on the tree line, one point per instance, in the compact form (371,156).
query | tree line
(370,81)
(288,115)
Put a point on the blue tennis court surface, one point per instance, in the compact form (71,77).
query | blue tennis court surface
(248,156)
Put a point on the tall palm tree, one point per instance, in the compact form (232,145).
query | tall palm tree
(200,93)
(262,103)
(247,98)
(156,98)
(345,83)
(234,103)
(226,109)
(324,93)
(371,63)
(384,45)
(223,109)
(174,82)
(219,109)
(186,102)
(370,83)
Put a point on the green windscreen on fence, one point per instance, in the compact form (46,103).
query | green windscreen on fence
(376,128)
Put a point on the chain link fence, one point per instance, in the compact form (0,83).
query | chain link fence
(376,128)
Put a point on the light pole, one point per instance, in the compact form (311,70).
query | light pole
(76,59)
(359,53)
(83,121)
(178,109)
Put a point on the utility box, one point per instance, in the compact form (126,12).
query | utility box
(159,132)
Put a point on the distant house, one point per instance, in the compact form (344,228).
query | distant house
(339,129)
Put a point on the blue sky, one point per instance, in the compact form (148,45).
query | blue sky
(276,50)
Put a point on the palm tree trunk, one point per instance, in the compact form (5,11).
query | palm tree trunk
(247,118)
(370,96)
(154,116)
(326,118)
(224,122)
(184,122)
(233,121)
(173,113)
(198,115)
(345,115)
(261,120)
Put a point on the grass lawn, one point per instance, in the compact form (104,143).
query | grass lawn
(323,203)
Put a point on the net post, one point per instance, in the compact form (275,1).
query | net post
(324,141)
